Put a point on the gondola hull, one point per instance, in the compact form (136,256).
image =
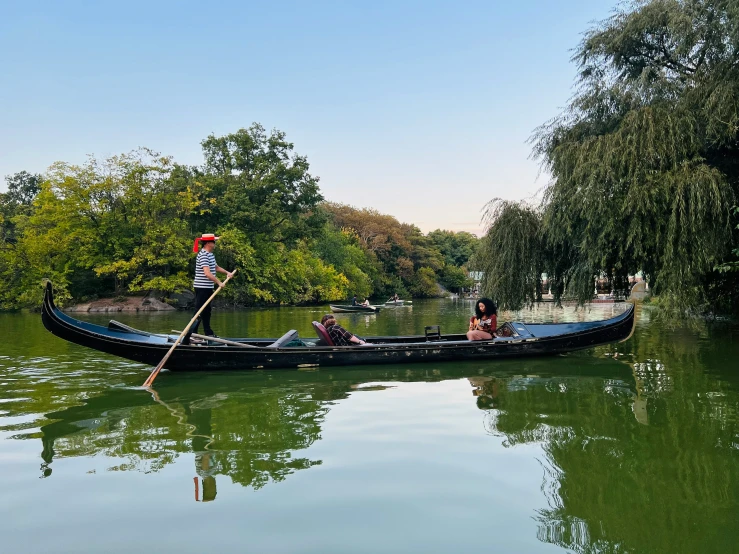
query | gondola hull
(146,348)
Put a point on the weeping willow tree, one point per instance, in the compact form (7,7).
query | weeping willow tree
(644,163)
(513,241)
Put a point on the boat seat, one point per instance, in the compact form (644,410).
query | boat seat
(433,333)
(323,335)
(291,335)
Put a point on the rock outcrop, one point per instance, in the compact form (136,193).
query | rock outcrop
(127,304)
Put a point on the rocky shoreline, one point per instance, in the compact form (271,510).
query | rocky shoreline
(127,304)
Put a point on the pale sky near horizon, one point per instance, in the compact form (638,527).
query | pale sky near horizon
(419,109)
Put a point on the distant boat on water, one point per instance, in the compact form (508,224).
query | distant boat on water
(340,309)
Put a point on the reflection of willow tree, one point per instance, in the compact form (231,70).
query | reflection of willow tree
(614,484)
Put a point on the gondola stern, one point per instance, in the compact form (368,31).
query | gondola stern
(630,320)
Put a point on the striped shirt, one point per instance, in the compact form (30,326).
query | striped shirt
(204,258)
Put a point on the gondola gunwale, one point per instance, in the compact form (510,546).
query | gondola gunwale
(417,349)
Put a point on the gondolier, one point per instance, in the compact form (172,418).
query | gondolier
(205,280)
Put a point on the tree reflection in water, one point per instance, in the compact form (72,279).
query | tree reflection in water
(249,427)
(628,466)
(249,433)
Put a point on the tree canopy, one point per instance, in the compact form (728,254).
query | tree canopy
(125,224)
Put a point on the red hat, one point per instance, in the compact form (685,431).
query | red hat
(207,237)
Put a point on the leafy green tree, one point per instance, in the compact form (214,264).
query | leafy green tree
(125,224)
(278,275)
(400,249)
(457,248)
(455,278)
(17,201)
(341,250)
(117,217)
(644,159)
(16,205)
(254,182)
(423,252)
(424,283)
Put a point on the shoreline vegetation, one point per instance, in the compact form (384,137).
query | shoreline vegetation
(644,165)
(124,226)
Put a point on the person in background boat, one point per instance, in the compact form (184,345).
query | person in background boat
(338,334)
(205,279)
(394,298)
(354,301)
(366,302)
(484,322)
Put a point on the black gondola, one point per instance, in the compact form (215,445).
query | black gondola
(529,339)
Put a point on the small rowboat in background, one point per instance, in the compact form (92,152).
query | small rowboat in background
(339,309)
(398,302)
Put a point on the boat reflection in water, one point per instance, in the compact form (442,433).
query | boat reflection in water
(252,432)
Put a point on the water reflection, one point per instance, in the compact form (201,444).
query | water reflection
(249,433)
(632,447)
(254,427)
(628,466)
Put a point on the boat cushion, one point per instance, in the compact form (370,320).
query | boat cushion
(520,329)
(323,334)
(291,335)
(505,330)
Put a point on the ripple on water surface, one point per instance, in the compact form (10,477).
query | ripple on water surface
(625,448)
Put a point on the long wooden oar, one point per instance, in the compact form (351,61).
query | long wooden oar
(159,367)
(219,340)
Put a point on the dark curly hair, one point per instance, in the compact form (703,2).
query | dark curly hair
(490,308)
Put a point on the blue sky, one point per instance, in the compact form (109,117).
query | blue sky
(418,109)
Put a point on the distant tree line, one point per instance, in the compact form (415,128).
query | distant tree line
(645,167)
(126,225)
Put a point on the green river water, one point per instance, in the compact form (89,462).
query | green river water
(632,447)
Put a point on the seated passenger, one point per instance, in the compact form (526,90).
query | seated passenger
(366,302)
(338,334)
(484,322)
